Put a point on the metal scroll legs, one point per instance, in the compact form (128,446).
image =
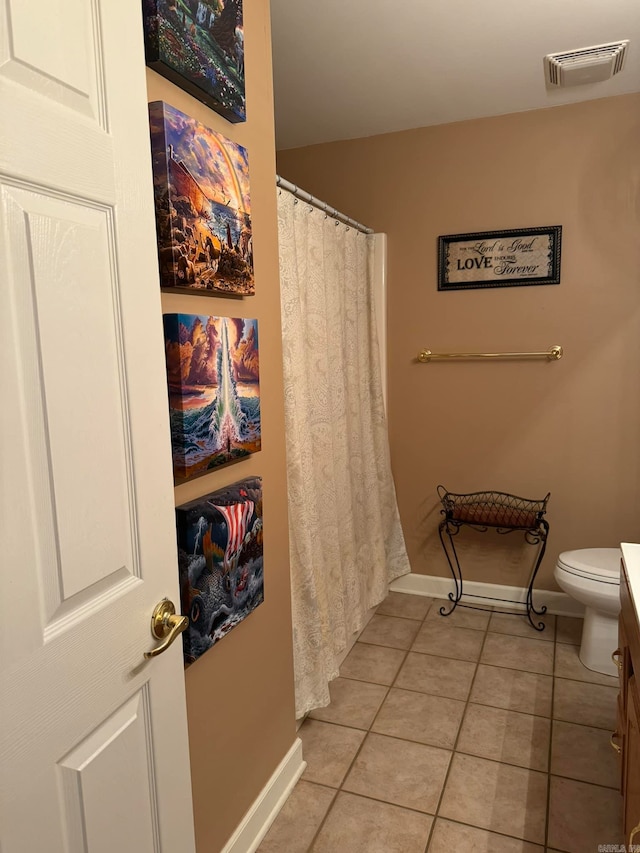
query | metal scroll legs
(536,537)
(452,529)
(449,529)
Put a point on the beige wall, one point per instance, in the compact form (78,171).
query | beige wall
(240,693)
(571,427)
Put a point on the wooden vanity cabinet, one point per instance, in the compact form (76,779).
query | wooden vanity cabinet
(631,765)
(627,735)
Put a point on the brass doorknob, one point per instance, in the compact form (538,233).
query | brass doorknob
(165,626)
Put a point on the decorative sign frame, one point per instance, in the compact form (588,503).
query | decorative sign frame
(517,257)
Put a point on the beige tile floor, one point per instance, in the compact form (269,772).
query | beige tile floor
(472,732)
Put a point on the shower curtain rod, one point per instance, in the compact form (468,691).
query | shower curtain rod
(330,211)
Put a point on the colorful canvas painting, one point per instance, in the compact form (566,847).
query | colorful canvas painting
(199,46)
(220,562)
(214,390)
(203,206)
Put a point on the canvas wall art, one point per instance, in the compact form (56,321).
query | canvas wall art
(214,390)
(202,205)
(220,562)
(199,46)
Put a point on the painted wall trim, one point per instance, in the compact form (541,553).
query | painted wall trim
(267,805)
(558,603)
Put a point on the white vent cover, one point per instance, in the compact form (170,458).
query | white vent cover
(585,65)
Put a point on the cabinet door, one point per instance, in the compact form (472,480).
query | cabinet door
(619,740)
(632,763)
(622,657)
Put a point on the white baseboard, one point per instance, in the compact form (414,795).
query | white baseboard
(558,603)
(265,809)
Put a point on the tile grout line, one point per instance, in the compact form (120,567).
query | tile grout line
(490,666)
(551,731)
(496,832)
(468,702)
(455,743)
(339,789)
(453,750)
(461,752)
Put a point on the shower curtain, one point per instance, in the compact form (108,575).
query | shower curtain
(346,542)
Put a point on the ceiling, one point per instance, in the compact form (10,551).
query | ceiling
(350,68)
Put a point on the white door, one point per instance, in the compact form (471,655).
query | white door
(93,738)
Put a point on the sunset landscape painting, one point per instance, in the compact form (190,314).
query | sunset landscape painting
(202,204)
(214,390)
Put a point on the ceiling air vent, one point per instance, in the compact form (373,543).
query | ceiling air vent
(585,65)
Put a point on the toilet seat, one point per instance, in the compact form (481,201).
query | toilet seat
(596,564)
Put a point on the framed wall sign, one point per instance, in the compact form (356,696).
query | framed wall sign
(522,256)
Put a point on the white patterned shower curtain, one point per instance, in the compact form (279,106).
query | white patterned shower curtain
(346,542)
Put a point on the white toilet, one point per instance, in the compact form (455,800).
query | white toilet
(592,577)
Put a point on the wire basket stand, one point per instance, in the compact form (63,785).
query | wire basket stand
(504,513)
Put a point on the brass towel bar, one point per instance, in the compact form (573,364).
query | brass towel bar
(553,354)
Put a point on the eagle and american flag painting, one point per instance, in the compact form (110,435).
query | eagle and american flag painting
(220,562)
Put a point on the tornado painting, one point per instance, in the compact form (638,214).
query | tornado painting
(220,562)
(202,205)
(214,390)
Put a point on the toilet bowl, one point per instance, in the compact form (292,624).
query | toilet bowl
(592,577)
